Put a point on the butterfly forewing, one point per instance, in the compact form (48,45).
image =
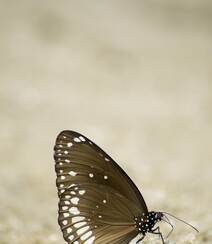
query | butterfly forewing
(98,201)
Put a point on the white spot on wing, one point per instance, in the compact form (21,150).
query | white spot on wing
(65,222)
(72,173)
(82,230)
(75,200)
(66,215)
(69,230)
(72,185)
(71,237)
(69,144)
(85,236)
(82,138)
(76,139)
(64,208)
(90,240)
(91,175)
(77,219)
(81,192)
(74,210)
(78,225)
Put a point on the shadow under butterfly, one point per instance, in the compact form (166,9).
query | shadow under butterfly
(98,202)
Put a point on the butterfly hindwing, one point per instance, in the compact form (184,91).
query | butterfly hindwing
(89,212)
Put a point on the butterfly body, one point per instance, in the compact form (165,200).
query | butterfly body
(98,202)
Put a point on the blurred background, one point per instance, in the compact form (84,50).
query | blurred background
(133,76)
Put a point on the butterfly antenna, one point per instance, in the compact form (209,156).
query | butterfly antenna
(182,221)
(168,222)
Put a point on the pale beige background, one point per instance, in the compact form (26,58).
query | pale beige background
(134,76)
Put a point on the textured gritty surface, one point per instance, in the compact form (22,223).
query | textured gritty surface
(134,76)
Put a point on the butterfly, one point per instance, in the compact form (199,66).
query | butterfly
(98,202)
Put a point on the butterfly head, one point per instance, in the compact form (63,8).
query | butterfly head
(146,222)
(156,216)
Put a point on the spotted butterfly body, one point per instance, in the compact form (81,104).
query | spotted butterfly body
(98,202)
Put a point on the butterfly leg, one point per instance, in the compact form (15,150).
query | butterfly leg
(137,242)
(157,232)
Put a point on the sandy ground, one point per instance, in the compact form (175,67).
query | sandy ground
(134,76)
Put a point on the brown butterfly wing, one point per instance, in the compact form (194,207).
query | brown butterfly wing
(98,201)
